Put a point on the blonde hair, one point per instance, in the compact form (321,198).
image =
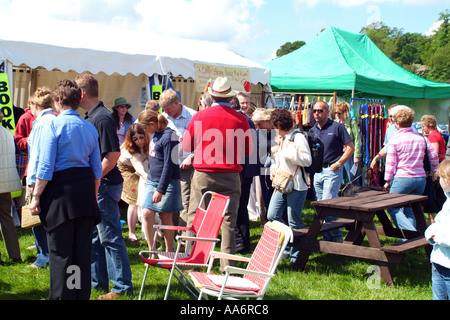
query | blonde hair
(149,115)
(428,121)
(168,97)
(42,97)
(403,115)
(443,169)
(344,107)
(261,114)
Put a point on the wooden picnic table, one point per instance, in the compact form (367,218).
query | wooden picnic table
(357,214)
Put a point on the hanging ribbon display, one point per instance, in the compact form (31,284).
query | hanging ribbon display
(372,123)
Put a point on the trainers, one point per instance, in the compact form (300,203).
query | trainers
(109,296)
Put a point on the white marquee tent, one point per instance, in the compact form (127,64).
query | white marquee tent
(124,65)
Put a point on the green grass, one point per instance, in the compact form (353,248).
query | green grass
(326,276)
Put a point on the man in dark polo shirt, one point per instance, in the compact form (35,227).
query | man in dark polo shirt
(109,253)
(338,148)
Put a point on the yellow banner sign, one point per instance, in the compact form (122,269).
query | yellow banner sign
(6,104)
(239,77)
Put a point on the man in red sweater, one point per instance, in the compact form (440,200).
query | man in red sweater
(220,138)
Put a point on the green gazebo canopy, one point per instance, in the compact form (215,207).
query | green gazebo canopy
(337,60)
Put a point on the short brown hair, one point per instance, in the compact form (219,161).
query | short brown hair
(88,83)
(68,92)
(282,119)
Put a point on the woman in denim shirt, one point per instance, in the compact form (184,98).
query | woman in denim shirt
(67,180)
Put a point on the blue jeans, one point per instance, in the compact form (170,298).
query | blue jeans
(40,238)
(109,253)
(326,186)
(293,202)
(440,277)
(404,217)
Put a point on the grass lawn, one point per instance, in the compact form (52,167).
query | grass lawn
(326,277)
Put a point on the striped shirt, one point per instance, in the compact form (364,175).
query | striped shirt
(405,155)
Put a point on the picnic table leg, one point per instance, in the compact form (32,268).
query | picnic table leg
(374,242)
(421,223)
(312,234)
(355,235)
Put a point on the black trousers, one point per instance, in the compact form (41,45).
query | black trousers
(70,246)
(242,229)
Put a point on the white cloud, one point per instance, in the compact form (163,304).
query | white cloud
(231,23)
(434,27)
(226,21)
(358,3)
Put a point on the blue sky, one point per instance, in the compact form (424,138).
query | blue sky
(296,20)
(252,28)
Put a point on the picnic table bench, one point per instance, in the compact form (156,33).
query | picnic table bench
(357,214)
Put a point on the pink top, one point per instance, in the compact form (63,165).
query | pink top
(406,150)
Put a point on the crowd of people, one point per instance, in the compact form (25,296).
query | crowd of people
(161,163)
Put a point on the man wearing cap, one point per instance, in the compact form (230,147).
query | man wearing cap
(221,138)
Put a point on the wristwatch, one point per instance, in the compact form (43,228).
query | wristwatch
(35,195)
(339,164)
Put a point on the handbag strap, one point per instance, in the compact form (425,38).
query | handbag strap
(281,147)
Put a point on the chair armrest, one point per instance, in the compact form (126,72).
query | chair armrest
(168,227)
(141,253)
(218,255)
(197,239)
(236,270)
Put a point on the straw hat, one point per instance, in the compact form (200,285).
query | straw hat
(120,102)
(222,88)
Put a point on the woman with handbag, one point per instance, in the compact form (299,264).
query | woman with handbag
(293,154)
(405,171)
(65,194)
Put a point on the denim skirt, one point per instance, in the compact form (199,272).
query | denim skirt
(171,200)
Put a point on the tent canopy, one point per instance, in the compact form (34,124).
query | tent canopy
(130,52)
(339,60)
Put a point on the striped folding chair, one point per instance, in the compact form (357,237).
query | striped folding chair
(254,280)
(204,232)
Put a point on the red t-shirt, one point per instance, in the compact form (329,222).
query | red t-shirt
(220,138)
(436,137)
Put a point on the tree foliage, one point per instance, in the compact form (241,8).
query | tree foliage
(288,47)
(426,56)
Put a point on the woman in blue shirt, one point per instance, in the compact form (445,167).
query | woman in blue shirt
(162,191)
(67,179)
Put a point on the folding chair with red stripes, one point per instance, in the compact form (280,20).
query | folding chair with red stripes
(255,279)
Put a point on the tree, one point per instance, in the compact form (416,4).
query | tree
(288,47)
(438,55)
